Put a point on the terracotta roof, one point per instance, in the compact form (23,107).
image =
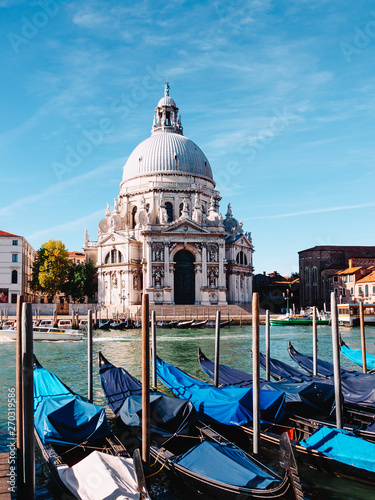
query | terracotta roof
(77,254)
(5,234)
(349,270)
(367,279)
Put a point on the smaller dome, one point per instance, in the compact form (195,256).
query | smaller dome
(166,101)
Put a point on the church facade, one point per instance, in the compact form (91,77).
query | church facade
(164,234)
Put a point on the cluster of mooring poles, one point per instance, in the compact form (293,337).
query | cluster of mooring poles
(25,382)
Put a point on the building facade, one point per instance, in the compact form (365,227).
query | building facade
(16,260)
(164,234)
(319,265)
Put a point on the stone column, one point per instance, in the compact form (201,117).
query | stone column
(221,279)
(166,265)
(198,282)
(149,265)
(204,265)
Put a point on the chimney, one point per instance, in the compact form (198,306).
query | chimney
(350,263)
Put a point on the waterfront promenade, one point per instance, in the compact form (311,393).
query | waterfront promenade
(240,314)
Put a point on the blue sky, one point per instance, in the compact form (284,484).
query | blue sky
(279,95)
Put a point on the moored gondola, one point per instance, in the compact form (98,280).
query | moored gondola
(203,459)
(331,450)
(198,324)
(184,324)
(75,439)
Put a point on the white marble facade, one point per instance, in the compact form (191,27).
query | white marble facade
(164,234)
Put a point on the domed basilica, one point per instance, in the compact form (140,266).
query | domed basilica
(164,234)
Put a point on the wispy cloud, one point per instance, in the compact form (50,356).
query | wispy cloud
(55,190)
(313,211)
(72,225)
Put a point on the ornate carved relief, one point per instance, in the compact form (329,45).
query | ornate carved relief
(158,252)
(158,275)
(212,253)
(212,275)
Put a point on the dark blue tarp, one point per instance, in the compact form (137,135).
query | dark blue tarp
(355,355)
(282,371)
(228,405)
(343,446)
(324,368)
(302,398)
(226,464)
(357,388)
(124,395)
(61,417)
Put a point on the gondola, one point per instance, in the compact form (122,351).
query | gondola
(358,391)
(308,403)
(331,450)
(311,398)
(121,325)
(172,323)
(105,325)
(184,324)
(355,355)
(195,453)
(199,324)
(223,324)
(75,439)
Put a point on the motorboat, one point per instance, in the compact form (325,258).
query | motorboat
(47,333)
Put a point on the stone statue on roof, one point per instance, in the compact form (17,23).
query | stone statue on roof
(166,88)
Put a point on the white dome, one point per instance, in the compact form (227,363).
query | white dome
(167,153)
(166,101)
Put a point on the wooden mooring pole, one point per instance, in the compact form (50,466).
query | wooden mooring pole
(153,344)
(89,357)
(363,338)
(336,360)
(217,349)
(268,344)
(145,379)
(315,343)
(19,411)
(256,375)
(28,403)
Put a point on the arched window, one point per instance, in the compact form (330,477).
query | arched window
(241,258)
(134,211)
(14,277)
(114,257)
(169,209)
(366,290)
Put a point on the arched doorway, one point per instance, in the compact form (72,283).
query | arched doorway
(184,278)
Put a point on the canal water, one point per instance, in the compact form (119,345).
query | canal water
(68,360)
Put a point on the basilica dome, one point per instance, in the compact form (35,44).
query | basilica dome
(167,150)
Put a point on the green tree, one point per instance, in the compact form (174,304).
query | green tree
(50,268)
(81,282)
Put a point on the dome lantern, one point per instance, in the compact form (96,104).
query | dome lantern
(166,115)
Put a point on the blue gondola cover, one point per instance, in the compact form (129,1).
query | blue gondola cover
(303,398)
(61,417)
(355,355)
(227,405)
(343,446)
(226,464)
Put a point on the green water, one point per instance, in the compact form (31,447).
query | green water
(179,347)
